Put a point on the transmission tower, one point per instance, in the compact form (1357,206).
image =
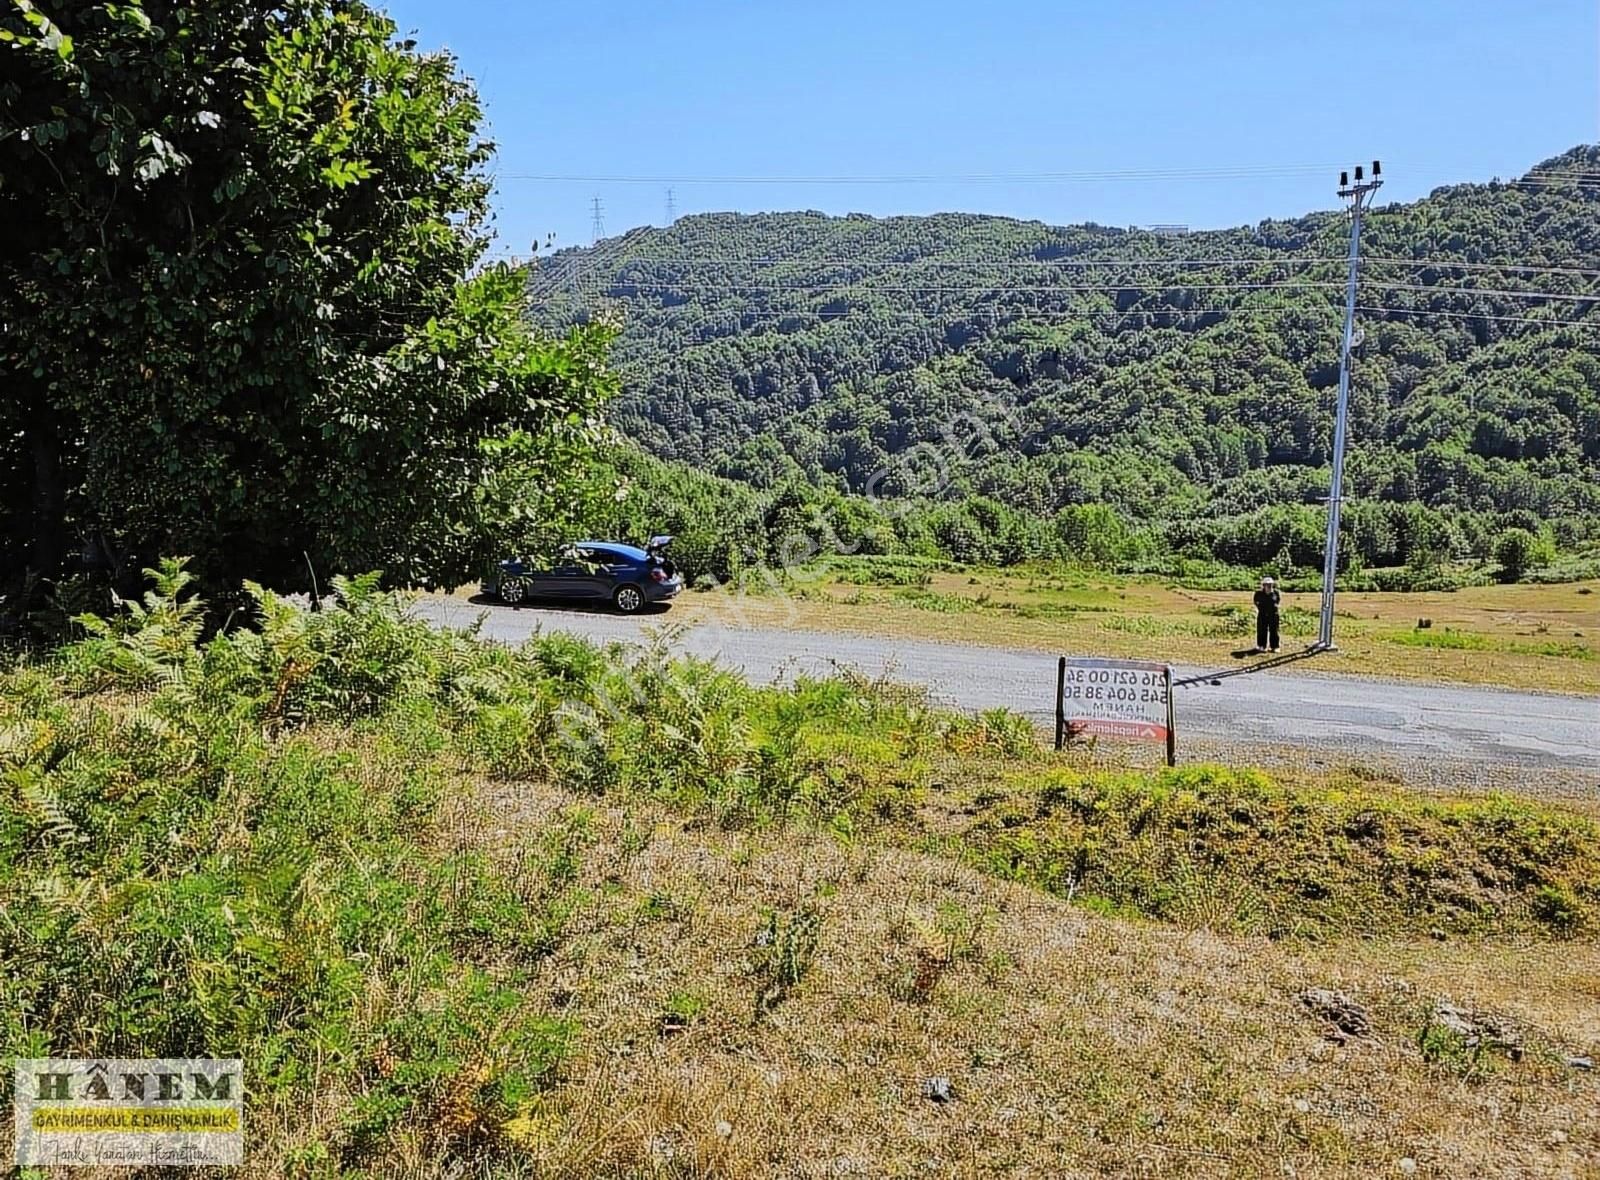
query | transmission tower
(672,207)
(1358,195)
(597,223)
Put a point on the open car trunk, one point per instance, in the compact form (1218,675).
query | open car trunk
(657,549)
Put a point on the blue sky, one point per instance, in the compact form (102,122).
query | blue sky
(1440,90)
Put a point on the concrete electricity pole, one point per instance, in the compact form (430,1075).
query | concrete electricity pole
(1357,194)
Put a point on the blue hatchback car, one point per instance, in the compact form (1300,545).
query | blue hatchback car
(592,571)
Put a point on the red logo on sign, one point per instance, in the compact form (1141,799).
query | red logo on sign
(1120,729)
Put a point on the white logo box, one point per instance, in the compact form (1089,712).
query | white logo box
(109,1111)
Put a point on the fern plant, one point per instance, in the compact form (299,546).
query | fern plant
(153,642)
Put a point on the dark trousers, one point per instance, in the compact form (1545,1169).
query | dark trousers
(1266,629)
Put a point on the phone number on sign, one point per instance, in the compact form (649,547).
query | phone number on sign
(1114,676)
(1109,693)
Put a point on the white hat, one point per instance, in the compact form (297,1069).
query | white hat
(1268,582)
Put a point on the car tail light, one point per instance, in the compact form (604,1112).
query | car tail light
(658,574)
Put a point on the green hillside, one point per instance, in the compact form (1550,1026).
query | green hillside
(1187,382)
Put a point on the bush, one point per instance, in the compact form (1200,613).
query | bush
(1558,908)
(1092,534)
(284,819)
(1518,551)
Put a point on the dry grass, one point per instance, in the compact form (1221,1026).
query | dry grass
(760,925)
(1075,1045)
(1519,636)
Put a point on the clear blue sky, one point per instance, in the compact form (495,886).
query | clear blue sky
(1440,90)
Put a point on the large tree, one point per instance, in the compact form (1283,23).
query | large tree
(245,314)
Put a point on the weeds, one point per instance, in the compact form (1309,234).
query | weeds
(262,844)
(928,948)
(682,1009)
(998,732)
(1449,639)
(781,954)
(1449,1050)
(933,600)
(1232,850)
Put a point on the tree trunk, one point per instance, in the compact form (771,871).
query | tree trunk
(48,545)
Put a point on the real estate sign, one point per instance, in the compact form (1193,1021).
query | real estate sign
(1130,699)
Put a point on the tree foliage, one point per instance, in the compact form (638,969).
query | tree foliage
(1186,383)
(1519,550)
(246,316)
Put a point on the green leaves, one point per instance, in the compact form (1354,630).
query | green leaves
(292,357)
(345,172)
(45,37)
(1144,373)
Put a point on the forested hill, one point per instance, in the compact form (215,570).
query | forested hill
(1169,376)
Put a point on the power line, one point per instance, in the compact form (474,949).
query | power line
(1472,315)
(1175,319)
(978,262)
(1481,291)
(1000,312)
(1011,315)
(967,288)
(1081,263)
(865,287)
(1101,176)
(1432,264)
(1541,182)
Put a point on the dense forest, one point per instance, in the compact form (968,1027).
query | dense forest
(1019,389)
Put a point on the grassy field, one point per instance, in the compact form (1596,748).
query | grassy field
(1543,637)
(564,912)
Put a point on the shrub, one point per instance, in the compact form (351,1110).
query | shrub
(1518,551)
(1557,908)
(994,731)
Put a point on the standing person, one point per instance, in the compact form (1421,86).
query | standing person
(1267,615)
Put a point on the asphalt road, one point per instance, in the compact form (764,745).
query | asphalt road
(1279,708)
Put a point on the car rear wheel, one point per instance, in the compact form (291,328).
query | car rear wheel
(628,599)
(513,591)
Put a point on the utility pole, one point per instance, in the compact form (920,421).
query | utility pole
(597,223)
(672,207)
(1357,194)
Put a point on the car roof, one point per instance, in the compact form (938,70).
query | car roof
(631,551)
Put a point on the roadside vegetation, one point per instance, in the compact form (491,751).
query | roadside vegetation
(576,911)
(563,910)
(726,530)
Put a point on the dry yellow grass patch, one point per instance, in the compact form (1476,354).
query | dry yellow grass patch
(1074,1045)
(1513,628)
